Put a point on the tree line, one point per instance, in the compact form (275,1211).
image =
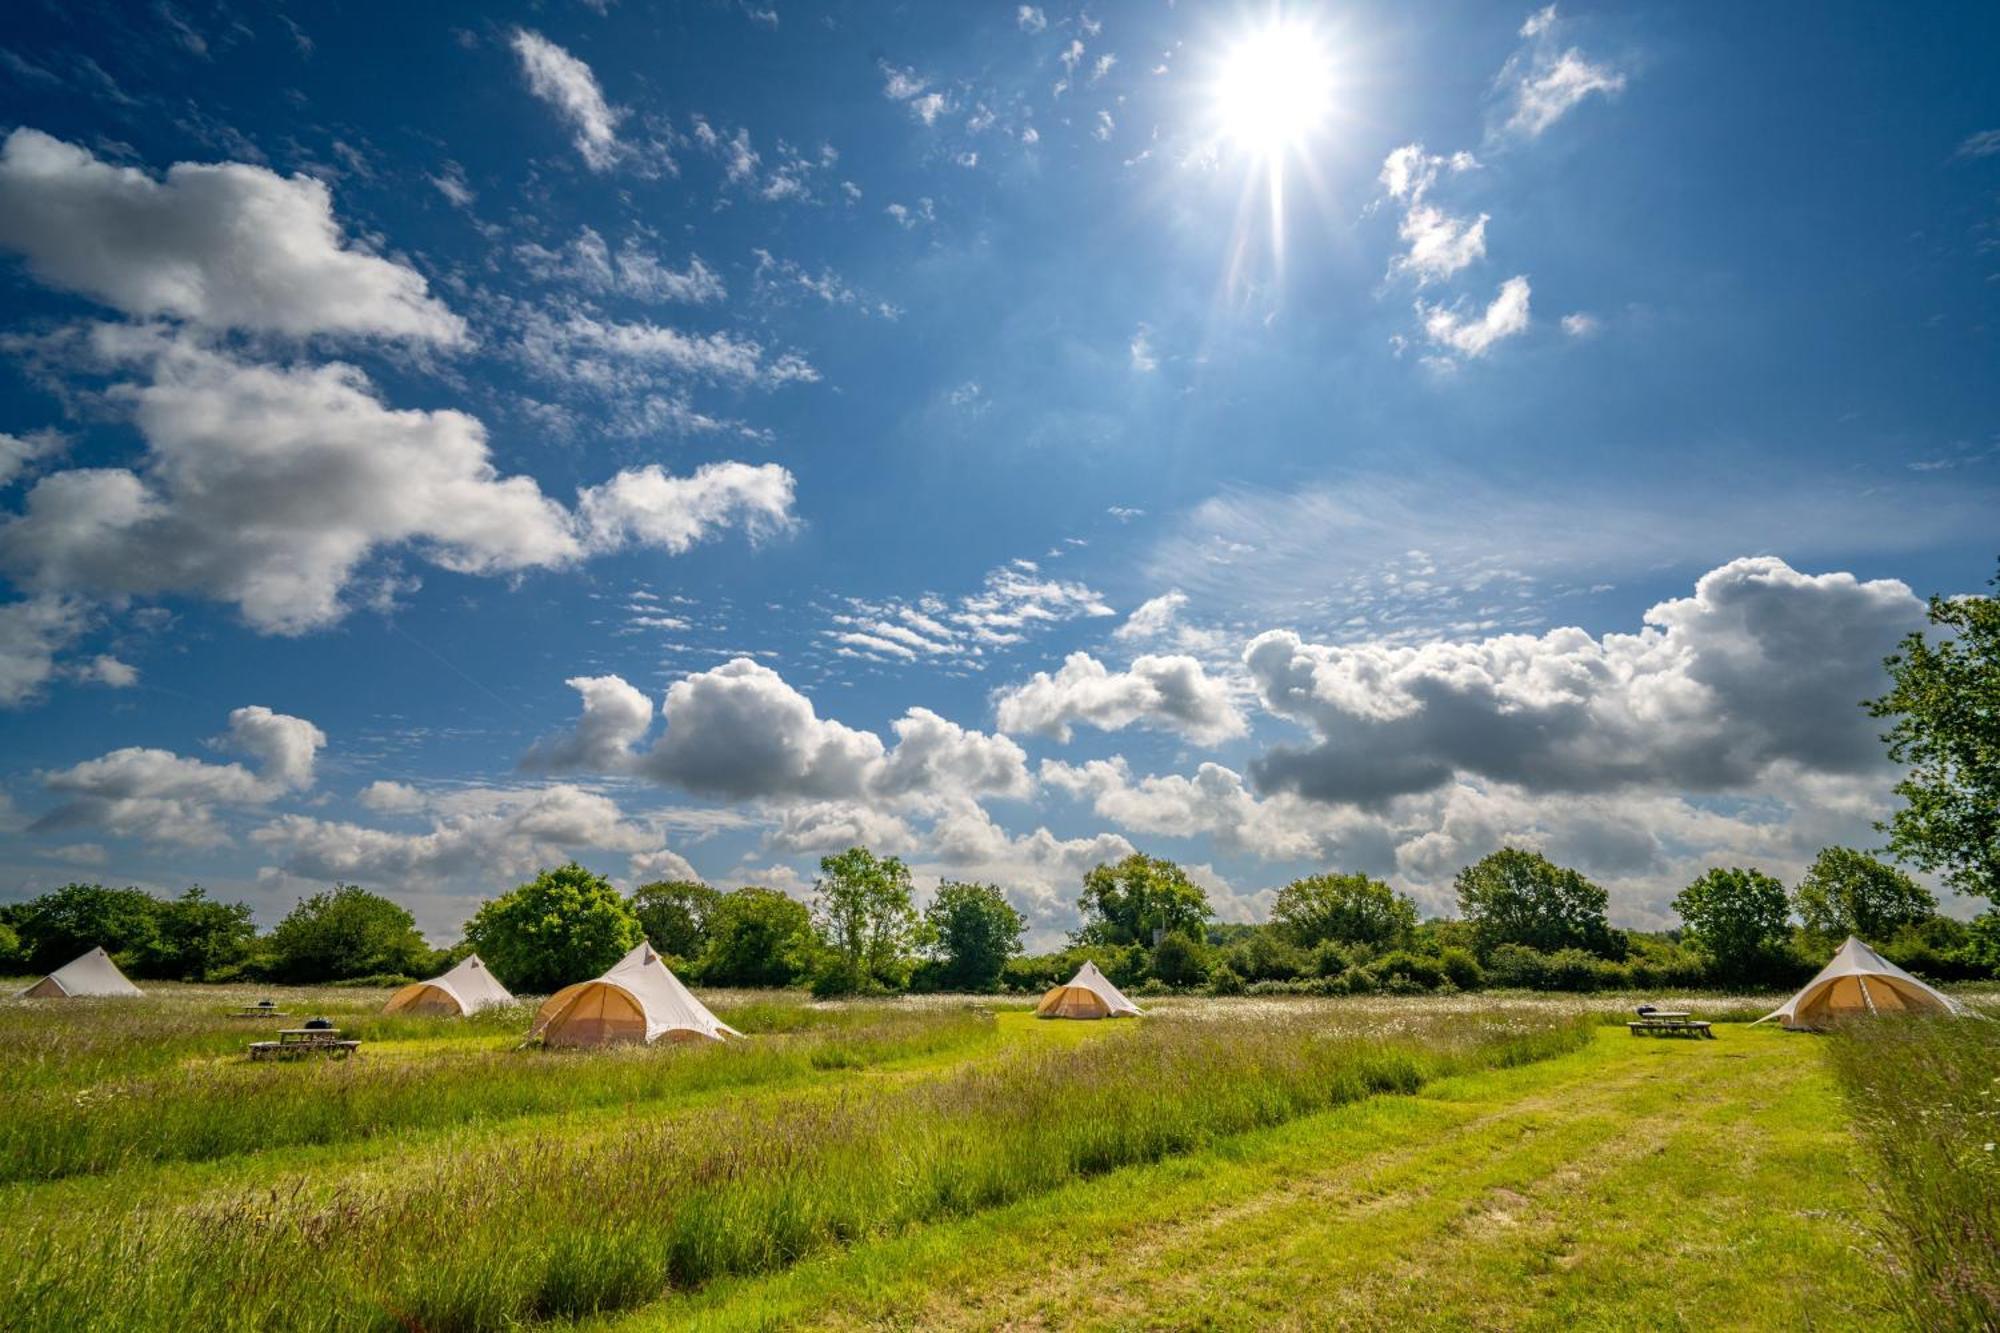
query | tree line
(1523,922)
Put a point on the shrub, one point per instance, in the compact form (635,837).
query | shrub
(1401,972)
(1517,967)
(757,937)
(1263,955)
(1225,981)
(348,932)
(1180,960)
(1461,969)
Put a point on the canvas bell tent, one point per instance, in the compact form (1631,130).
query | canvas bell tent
(1088,994)
(466,989)
(638,1000)
(92,974)
(1857,983)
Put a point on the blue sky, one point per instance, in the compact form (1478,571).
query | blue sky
(437,442)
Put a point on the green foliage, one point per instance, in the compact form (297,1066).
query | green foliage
(675,914)
(1461,968)
(348,932)
(1982,942)
(1945,702)
(10,946)
(199,939)
(1403,972)
(757,937)
(1939,949)
(1179,960)
(1264,954)
(973,930)
(1738,918)
(1521,897)
(1225,981)
(1846,892)
(1129,901)
(868,921)
(1347,909)
(565,925)
(59,927)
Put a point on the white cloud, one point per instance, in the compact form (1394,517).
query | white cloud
(1581,325)
(1985,143)
(104,669)
(1012,602)
(18,453)
(633,271)
(1506,316)
(907,216)
(269,487)
(566,83)
(164,797)
(649,506)
(740,732)
(450,182)
(1143,359)
(1164,692)
(1539,22)
(1439,244)
(32,632)
(1030,18)
(223,245)
(1546,81)
(610,355)
(1762,666)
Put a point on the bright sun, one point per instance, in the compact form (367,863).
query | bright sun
(1275,89)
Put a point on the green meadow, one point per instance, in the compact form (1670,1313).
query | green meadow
(1364,1162)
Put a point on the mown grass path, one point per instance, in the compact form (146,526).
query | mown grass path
(1632,1185)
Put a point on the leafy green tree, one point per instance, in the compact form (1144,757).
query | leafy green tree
(199,939)
(1180,959)
(77,918)
(10,946)
(757,937)
(867,917)
(674,914)
(1139,899)
(1944,699)
(1738,918)
(1347,909)
(1521,897)
(1846,892)
(348,932)
(564,925)
(973,931)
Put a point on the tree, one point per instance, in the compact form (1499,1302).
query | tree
(973,931)
(1521,897)
(757,937)
(562,926)
(863,907)
(1945,702)
(1737,917)
(1846,892)
(1135,900)
(10,946)
(1347,909)
(199,939)
(1180,959)
(674,914)
(58,927)
(348,932)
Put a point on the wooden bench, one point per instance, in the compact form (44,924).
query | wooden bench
(1678,1025)
(295,1043)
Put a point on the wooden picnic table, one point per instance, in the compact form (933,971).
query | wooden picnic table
(258,1011)
(1670,1023)
(292,1043)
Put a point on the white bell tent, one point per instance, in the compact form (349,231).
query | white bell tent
(638,1000)
(1861,982)
(93,974)
(1088,994)
(466,989)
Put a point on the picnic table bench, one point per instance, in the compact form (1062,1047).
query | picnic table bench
(259,1011)
(294,1043)
(1669,1023)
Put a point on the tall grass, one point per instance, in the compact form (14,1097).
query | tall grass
(549,1228)
(208,1109)
(1925,1094)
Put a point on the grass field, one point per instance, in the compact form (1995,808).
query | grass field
(1371,1163)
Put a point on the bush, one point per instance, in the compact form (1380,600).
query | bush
(1517,967)
(1461,969)
(757,937)
(348,932)
(1401,972)
(1180,960)
(1225,981)
(1262,955)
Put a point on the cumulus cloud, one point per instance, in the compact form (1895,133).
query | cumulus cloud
(164,797)
(32,632)
(1475,335)
(740,732)
(19,453)
(1762,666)
(224,245)
(482,835)
(566,84)
(268,487)
(1580,324)
(1438,243)
(1170,693)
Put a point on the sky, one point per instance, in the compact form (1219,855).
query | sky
(437,442)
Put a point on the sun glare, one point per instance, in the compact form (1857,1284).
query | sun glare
(1275,89)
